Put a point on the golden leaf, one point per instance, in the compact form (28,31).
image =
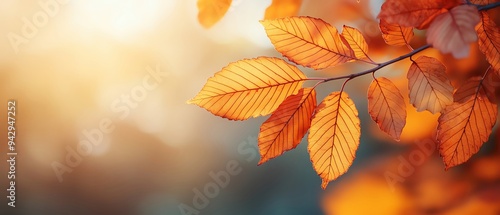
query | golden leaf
(308,41)
(285,128)
(428,85)
(394,34)
(334,136)
(466,124)
(387,107)
(249,88)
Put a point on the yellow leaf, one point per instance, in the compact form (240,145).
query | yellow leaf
(394,34)
(387,107)
(249,88)
(334,136)
(308,41)
(428,85)
(284,130)
(356,41)
(466,124)
(211,11)
(489,40)
(283,8)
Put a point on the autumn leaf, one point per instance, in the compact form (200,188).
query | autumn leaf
(334,136)
(387,107)
(466,124)
(308,41)
(249,88)
(211,11)
(283,8)
(489,40)
(411,13)
(394,34)
(356,41)
(428,85)
(452,32)
(285,128)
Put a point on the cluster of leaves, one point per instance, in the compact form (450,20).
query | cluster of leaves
(268,85)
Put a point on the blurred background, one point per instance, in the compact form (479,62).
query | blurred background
(132,65)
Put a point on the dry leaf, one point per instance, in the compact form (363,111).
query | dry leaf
(211,11)
(387,107)
(466,124)
(283,8)
(452,32)
(394,34)
(249,88)
(411,13)
(489,40)
(356,42)
(428,85)
(285,128)
(308,41)
(334,136)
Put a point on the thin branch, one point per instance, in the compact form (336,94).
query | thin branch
(380,66)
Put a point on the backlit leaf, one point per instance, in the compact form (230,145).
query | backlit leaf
(211,11)
(308,41)
(334,136)
(387,107)
(394,34)
(466,124)
(411,13)
(249,88)
(489,40)
(452,32)
(283,8)
(428,85)
(285,128)
(356,42)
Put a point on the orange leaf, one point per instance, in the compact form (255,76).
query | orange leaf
(428,85)
(394,34)
(452,32)
(284,130)
(283,8)
(489,40)
(387,107)
(249,88)
(466,124)
(411,13)
(356,41)
(211,11)
(334,136)
(308,41)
